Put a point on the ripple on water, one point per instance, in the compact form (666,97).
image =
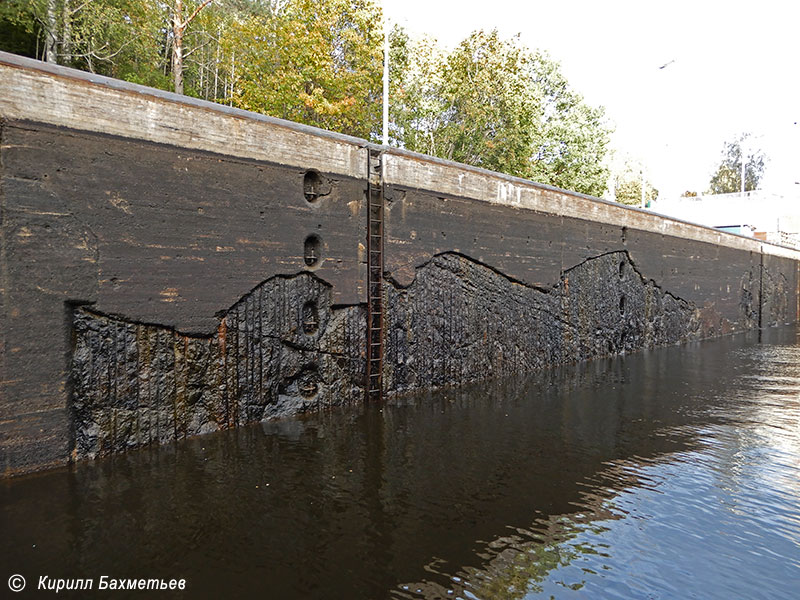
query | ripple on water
(721,520)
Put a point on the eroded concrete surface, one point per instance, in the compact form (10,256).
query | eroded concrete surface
(281,350)
(461,320)
(121,238)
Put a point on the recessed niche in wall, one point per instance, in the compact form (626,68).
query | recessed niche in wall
(315,186)
(312,251)
(310,317)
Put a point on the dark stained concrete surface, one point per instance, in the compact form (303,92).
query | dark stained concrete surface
(152,289)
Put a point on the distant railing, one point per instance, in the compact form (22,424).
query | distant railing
(781,238)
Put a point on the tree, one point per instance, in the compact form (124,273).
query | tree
(29,28)
(119,38)
(728,177)
(19,31)
(628,185)
(474,105)
(314,62)
(572,137)
(490,102)
(494,104)
(416,106)
(179,25)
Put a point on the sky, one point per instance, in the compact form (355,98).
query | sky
(732,67)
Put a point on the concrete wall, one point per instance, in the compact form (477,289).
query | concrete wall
(170,267)
(492,275)
(114,200)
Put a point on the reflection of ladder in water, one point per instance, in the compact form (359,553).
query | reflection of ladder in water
(374,277)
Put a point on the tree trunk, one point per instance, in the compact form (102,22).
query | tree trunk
(177,46)
(233,75)
(66,37)
(178,29)
(50,45)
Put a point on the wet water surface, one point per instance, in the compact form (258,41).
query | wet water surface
(673,473)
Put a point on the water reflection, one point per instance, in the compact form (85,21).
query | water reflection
(718,518)
(657,474)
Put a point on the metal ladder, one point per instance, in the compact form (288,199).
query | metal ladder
(375,276)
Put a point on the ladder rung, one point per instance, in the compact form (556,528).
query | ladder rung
(375,321)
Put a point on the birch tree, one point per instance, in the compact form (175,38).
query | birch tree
(179,25)
(727,178)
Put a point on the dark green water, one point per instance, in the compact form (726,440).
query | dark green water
(673,473)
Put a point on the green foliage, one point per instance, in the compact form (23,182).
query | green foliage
(110,37)
(119,38)
(572,138)
(415,104)
(19,29)
(475,105)
(628,186)
(490,102)
(494,104)
(728,177)
(314,62)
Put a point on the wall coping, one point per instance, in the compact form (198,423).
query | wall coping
(447,178)
(40,92)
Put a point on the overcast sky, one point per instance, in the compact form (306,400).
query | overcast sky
(733,67)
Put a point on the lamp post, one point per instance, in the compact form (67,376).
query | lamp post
(644,188)
(643,173)
(386,82)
